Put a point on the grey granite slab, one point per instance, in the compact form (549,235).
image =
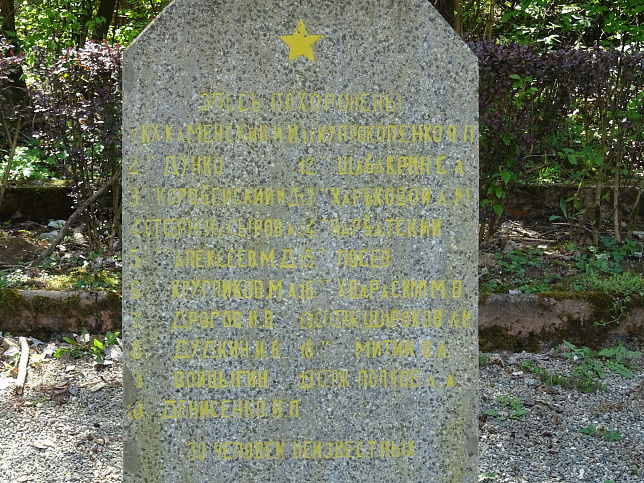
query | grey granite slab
(300,226)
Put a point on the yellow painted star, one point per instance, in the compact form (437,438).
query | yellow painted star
(300,43)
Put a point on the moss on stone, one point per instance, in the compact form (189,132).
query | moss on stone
(578,327)
(11,301)
(601,302)
(69,311)
(38,202)
(496,338)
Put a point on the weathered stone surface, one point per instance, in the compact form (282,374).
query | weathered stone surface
(515,322)
(292,171)
(35,201)
(535,321)
(46,311)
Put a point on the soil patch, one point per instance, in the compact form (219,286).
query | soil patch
(16,248)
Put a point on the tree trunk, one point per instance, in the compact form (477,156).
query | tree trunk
(8,25)
(458,17)
(452,12)
(446,9)
(12,152)
(84,14)
(490,22)
(106,11)
(598,211)
(634,213)
(18,93)
(616,220)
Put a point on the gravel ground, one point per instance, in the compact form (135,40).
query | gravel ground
(545,444)
(66,427)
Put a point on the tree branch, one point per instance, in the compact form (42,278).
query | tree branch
(12,153)
(65,229)
(23,365)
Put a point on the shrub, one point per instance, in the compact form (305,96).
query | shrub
(78,99)
(569,115)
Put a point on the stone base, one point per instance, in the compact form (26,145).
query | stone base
(514,322)
(533,322)
(47,311)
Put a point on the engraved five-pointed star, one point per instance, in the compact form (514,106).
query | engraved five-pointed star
(300,43)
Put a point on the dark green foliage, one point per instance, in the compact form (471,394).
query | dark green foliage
(556,24)
(592,23)
(55,25)
(84,344)
(12,94)
(513,271)
(566,116)
(589,368)
(601,431)
(514,409)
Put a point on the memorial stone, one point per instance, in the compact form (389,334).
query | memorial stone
(300,199)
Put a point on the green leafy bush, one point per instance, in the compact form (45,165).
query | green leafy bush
(570,115)
(78,101)
(84,345)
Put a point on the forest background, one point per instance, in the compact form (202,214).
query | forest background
(561,102)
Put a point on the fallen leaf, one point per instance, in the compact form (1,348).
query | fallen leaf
(42,444)
(37,359)
(114,353)
(6,382)
(11,350)
(49,349)
(61,388)
(97,387)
